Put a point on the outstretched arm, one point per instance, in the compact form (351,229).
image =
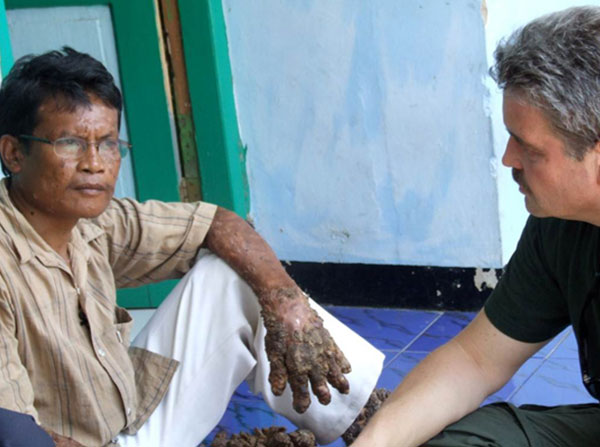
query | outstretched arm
(448,384)
(299,348)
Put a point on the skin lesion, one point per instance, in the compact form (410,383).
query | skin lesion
(299,348)
(302,352)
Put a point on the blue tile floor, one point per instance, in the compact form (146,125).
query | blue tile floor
(551,377)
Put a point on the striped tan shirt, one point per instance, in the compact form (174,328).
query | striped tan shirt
(64,342)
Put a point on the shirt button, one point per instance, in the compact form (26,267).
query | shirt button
(128,411)
(101,352)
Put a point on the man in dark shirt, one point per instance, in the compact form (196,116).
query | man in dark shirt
(550,74)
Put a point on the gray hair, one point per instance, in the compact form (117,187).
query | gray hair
(554,63)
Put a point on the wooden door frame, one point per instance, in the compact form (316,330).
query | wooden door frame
(221,153)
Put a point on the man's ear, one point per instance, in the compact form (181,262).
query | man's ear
(11,153)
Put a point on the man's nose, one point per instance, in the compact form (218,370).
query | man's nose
(92,161)
(511,157)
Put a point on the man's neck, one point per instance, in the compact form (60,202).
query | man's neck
(56,232)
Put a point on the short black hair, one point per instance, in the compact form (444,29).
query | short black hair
(66,75)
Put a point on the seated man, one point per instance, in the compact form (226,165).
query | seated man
(65,247)
(550,73)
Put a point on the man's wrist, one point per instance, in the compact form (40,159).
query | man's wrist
(283,300)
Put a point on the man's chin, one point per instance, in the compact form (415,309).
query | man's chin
(91,210)
(534,209)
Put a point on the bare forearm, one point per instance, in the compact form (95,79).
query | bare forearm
(448,384)
(440,390)
(300,350)
(236,242)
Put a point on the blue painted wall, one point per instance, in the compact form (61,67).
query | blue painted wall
(366,127)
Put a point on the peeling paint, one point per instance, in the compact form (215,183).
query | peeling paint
(163,57)
(484,12)
(361,156)
(339,234)
(485,279)
(494,167)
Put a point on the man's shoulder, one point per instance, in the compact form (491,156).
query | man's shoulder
(115,206)
(566,249)
(8,247)
(117,211)
(14,244)
(125,211)
(562,234)
(554,224)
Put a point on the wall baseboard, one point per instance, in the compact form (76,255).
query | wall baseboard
(400,286)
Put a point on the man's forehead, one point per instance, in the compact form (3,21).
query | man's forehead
(61,103)
(55,108)
(518,107)
(519,96)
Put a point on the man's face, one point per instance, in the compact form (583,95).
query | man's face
(553,182)
(64,189)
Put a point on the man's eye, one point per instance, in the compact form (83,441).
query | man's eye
(109,144)
(532,153)
(68,144)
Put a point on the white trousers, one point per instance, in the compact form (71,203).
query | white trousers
(211,323)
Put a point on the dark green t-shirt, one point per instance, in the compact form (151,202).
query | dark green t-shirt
(547,280)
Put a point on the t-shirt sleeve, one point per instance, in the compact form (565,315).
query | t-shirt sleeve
(153,241)
(527,304)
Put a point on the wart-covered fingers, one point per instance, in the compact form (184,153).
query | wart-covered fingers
(301,351)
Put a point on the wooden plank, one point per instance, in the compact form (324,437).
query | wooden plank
(190,189)
(220,153)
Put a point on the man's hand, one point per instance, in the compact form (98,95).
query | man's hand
(62,441)
(301,350)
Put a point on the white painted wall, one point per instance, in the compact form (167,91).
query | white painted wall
(373,132)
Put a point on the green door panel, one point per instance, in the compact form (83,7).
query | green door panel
(221,154)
